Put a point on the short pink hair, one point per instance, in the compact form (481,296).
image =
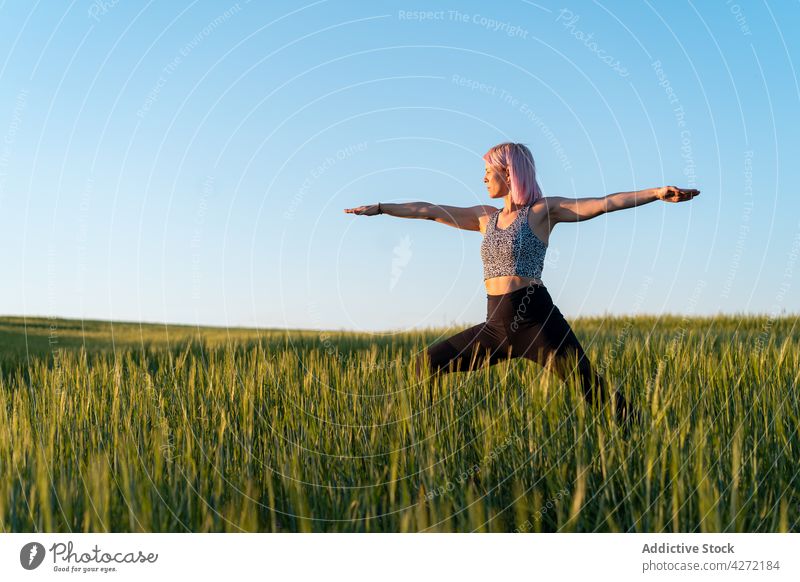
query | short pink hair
(518,159)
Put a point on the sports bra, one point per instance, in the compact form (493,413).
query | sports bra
(514,250)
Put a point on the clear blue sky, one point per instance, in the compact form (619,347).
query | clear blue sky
(190,162)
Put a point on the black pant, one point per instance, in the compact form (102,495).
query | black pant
(523,323)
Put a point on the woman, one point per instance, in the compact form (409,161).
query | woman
(521,319)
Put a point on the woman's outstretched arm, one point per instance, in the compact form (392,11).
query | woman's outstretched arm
(456,216)
(578,209)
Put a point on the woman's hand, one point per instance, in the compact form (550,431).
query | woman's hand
(675,194)
(368,210)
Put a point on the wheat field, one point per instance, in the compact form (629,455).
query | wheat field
(160,428)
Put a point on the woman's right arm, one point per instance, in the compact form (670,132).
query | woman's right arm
(456,216)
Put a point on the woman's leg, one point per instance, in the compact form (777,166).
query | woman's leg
(542,334)
(480,345)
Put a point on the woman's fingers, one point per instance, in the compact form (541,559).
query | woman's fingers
(362,210)
(689,193)
(675,194)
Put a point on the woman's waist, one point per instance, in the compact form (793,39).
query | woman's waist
(505,305)
(508,284)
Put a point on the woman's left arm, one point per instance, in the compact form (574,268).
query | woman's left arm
(578,209)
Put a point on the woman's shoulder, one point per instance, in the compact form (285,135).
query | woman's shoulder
(488,214)
(544,205)
(542,202)
(538,220)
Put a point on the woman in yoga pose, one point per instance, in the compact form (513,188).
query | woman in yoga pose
(521,319)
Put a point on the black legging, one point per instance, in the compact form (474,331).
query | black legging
(522,323)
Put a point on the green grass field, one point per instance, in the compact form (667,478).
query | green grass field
(171,429)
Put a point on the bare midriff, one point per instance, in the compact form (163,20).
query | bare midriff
(502,285)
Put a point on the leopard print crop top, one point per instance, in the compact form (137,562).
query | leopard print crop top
(514,250)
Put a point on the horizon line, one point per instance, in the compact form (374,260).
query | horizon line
(607,315)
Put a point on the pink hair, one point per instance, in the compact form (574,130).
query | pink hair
(518,159)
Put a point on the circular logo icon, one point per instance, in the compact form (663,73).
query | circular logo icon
(31,555)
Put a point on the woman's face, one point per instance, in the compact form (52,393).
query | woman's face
(496,181)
